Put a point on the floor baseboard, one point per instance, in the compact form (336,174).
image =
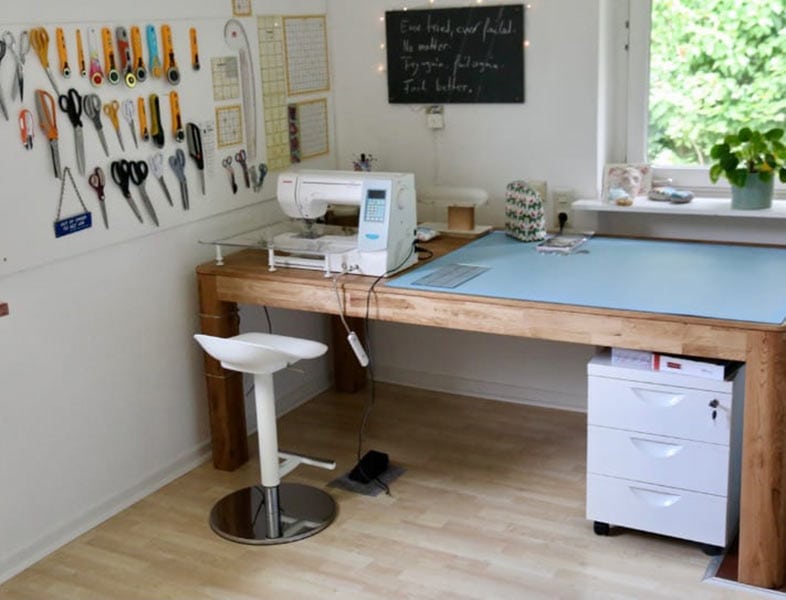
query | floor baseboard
(463,386)
(20,560)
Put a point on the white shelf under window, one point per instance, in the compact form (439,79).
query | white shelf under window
(717,207)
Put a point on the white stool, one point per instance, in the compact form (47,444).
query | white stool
(292,511)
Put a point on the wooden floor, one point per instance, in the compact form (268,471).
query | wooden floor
(491,506)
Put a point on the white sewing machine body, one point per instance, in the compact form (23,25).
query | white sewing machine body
(384,242)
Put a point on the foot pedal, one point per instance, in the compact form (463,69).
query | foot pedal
(371,466)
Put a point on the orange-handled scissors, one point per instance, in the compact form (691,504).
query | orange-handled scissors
(110,110)
(39,40)
(47,119)
(26,131)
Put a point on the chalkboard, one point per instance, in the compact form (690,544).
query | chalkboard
(456,55)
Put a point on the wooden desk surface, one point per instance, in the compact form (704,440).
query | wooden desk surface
(245,279)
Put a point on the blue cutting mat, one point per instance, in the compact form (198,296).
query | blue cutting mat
(740,283)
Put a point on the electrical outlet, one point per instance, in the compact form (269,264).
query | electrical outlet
(562,200)
(435,116)
(3,309)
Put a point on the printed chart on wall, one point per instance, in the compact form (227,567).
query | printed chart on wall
(293,61)
(229,125)
(306,47)
(226,78)
(308,133)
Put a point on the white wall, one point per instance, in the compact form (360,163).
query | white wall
(552,136)
(103,398)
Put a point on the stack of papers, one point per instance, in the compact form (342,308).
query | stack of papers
(563,243)
(707,368)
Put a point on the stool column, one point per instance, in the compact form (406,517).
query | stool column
(267,438)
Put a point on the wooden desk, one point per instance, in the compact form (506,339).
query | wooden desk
(245,279)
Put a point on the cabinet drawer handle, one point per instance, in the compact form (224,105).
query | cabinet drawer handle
(655,499)
(658,399)
(656,449)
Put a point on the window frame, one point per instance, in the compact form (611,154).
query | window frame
(694,178)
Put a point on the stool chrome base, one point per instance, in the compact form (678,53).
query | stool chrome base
(240,516)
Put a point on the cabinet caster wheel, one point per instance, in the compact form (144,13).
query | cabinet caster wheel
(711,550)
(600,528)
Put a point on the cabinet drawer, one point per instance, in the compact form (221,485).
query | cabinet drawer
(673,462)
(661,410)
(657,509)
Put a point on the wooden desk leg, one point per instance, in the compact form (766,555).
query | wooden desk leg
(224,388)
(762,554)
(348,375)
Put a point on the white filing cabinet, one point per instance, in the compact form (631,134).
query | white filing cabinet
(663,452)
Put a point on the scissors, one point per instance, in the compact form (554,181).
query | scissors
(110,110)
(26,128)
(227,164)
(127,108)
(19,56)
(242,159)
(194,142)
(39,40)
(91,104)
(259,176)
(137,171)
(157,168)
(97,181)
(47,119)
(121,175)
(71,104)
(3,108)
(178,163)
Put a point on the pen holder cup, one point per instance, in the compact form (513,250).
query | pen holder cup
(525,214)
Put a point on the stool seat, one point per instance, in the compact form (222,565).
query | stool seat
(259,352)
(273,512)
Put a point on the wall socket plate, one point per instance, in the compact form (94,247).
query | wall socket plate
(435,116)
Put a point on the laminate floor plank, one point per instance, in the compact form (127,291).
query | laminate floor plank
(491,505)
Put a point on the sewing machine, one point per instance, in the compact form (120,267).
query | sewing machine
(384,241)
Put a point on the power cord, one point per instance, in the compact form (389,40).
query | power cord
(371,399)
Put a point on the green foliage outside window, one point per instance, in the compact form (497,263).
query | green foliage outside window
(715,66)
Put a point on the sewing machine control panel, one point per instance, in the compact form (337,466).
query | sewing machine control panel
(374,215)
(374,206)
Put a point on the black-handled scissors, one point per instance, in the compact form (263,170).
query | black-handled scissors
(71,104)
(3,107)
(194,142)
(241,158)
(138,171)
(121,175)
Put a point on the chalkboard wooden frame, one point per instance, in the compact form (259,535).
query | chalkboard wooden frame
(456,55)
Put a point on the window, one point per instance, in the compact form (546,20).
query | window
(699,69)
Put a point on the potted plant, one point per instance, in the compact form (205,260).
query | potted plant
(750,160)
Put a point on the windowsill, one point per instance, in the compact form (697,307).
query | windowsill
(716,207)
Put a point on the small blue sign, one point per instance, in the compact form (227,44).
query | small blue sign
(73,224)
